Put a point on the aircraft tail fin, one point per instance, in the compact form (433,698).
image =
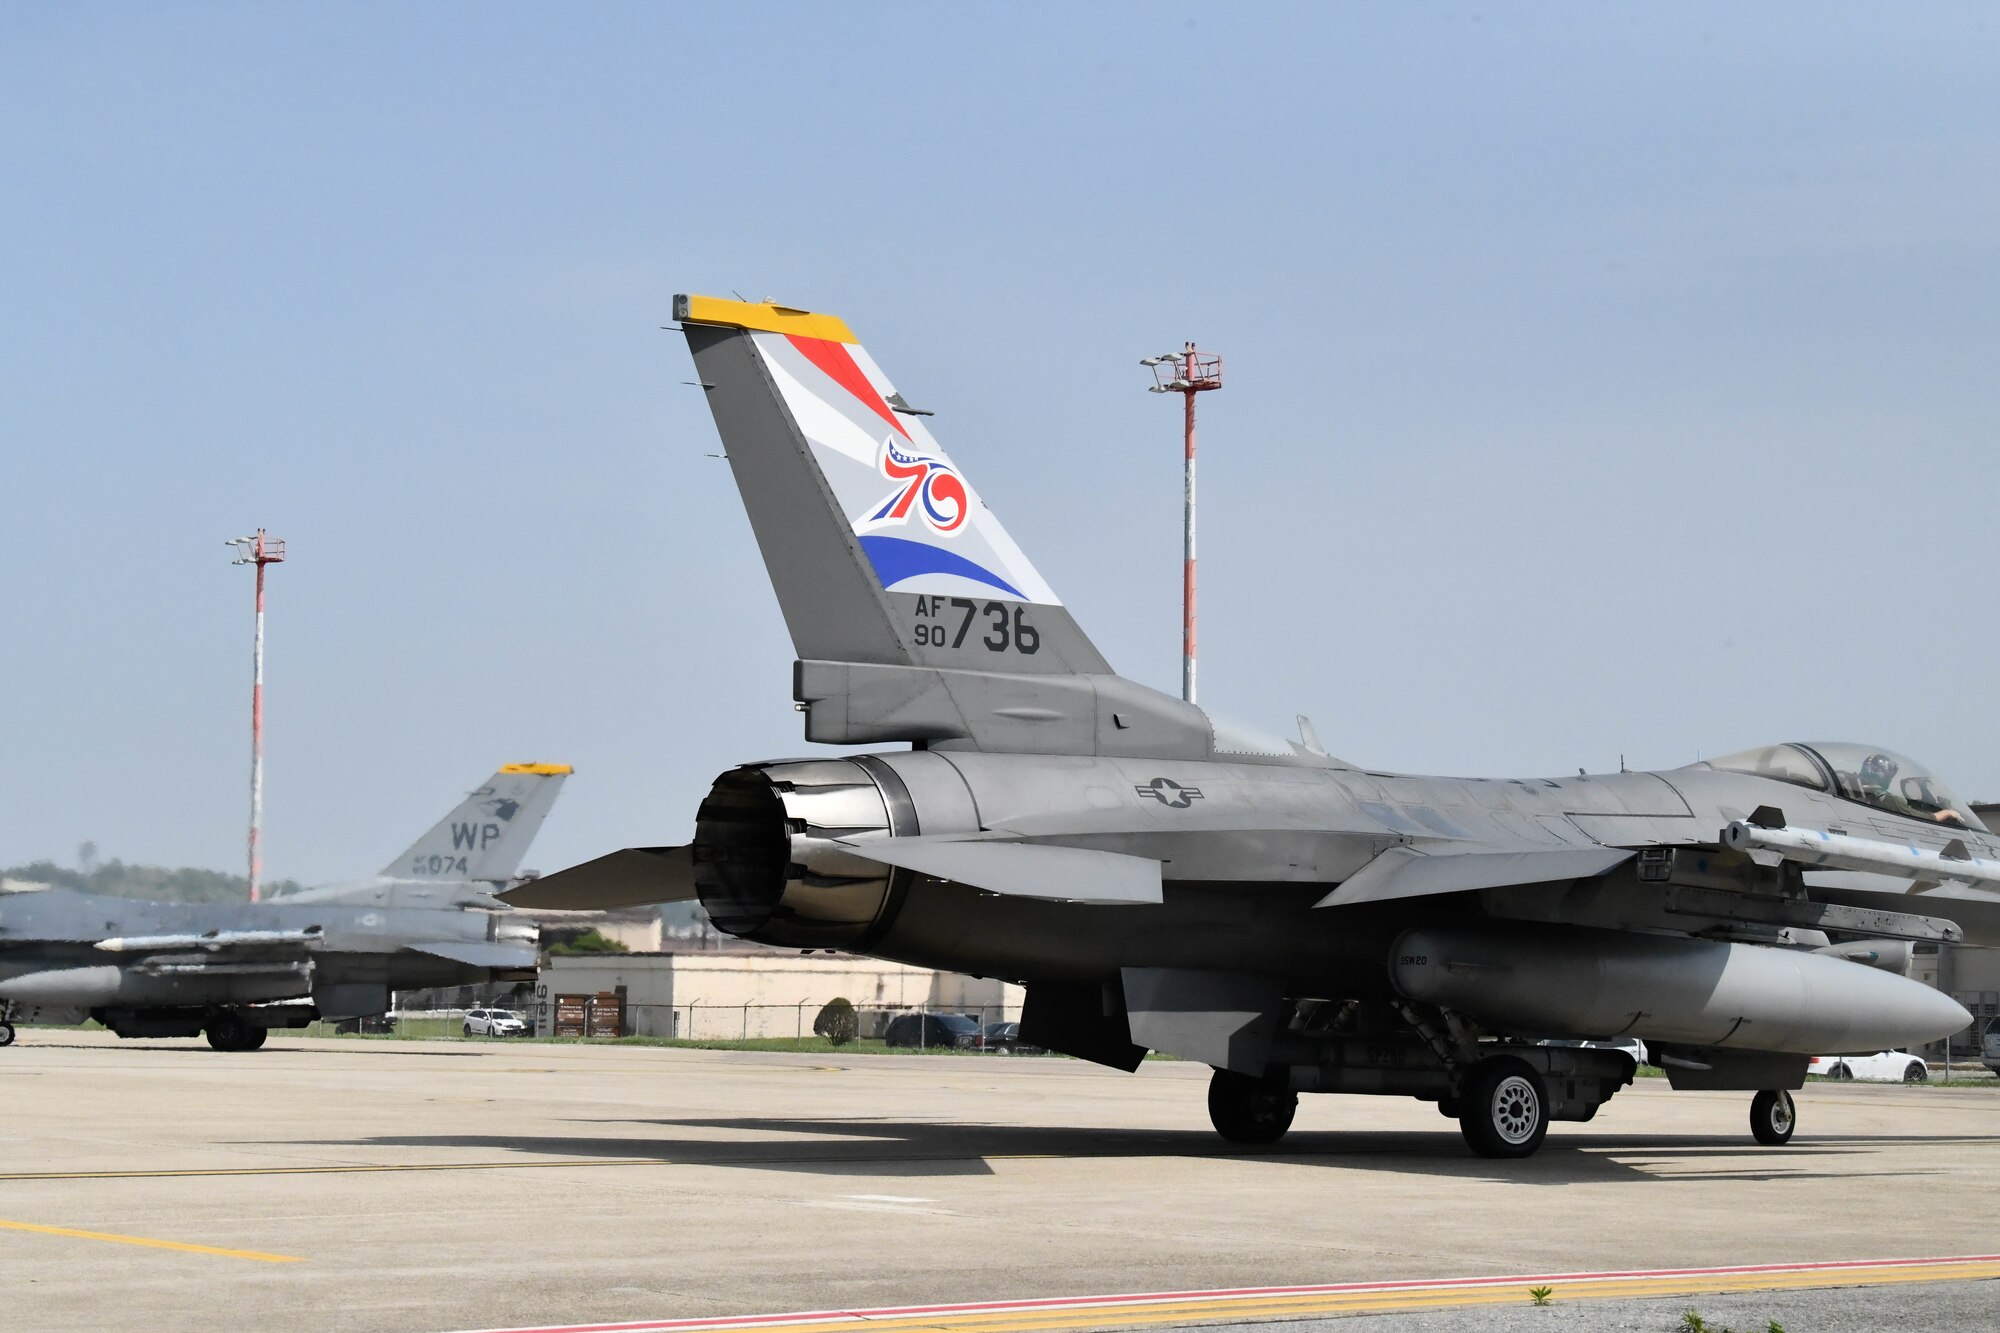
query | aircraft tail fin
(915,615)
(488,834)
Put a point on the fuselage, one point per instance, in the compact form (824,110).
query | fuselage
(53,944)
(1247,851)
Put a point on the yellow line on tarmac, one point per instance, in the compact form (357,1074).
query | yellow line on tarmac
(148,1241)
(357,1168)
(1279,1305)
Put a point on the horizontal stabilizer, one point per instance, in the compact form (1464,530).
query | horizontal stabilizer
(1413,872)
(212,940)
(628,878)
(1023,869)
(480,953)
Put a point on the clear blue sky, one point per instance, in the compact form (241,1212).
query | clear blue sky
(1602,380)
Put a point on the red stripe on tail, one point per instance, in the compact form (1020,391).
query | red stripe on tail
(833,358)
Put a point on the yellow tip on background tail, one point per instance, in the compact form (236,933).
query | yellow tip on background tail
(764,316)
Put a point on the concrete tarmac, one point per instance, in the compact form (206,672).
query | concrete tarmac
(346,1184)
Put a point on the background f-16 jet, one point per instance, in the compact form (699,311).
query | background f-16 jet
(1301,924)
(147,969)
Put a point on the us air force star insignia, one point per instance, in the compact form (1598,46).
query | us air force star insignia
(1169,793)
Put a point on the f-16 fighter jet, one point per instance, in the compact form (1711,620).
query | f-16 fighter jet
(1161,880)
(147,969)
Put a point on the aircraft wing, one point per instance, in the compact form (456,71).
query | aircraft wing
(479,953)
(1416,872)
(627,878)
(1022,869)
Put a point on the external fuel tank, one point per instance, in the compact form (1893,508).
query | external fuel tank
(1601,984)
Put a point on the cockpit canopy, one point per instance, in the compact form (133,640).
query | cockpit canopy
(1864,773)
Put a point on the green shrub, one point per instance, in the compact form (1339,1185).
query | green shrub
(590,941)
(837,1022)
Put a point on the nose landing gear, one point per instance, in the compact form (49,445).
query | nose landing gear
(1773,1117)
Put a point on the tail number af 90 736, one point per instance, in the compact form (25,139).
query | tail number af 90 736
(998,627)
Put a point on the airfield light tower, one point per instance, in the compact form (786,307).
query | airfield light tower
(259,550)
(1186,372)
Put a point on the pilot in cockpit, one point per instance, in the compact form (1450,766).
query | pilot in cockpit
(1877,782)
(1877,772)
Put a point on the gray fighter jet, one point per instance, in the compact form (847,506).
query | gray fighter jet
(149,969)
(1159,879)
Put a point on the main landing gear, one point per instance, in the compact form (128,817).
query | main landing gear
(1249,1110)
(6,1033)
(1503,1102)
(228,1031)
(1503,1111)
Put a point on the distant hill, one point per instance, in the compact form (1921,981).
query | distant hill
(185,885)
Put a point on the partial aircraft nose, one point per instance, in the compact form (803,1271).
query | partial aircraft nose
(1950,1016)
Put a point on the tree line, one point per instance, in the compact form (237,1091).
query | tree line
(158,883)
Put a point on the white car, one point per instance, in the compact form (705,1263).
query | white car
(1989,1046)
(1883,1067)
(494,1023)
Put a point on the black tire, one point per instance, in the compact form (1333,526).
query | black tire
(6,1034)
(228,1032)
(468,1029)
(1773,1117)
(1504,1109)
(1840,1073)
(1918,1072)
(1249,1110)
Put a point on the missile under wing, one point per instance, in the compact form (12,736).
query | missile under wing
(233,971)
(1160,879)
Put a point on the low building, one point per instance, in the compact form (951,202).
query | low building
(1969,975)
(762,994)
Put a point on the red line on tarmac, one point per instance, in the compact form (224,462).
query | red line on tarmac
(1245,1294)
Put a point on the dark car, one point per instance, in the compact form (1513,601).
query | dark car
(1006,1039)
(926,1030)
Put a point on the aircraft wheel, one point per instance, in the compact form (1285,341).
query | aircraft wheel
(6,1034)
(1773,1117)
(228,1032)
(1840,1073)
(1249,1110)
(1918,1072)
(1505,1108)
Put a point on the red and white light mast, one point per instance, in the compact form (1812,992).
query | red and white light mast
(260,550)
(1187,372)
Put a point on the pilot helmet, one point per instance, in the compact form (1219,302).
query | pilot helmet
(1877,771)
